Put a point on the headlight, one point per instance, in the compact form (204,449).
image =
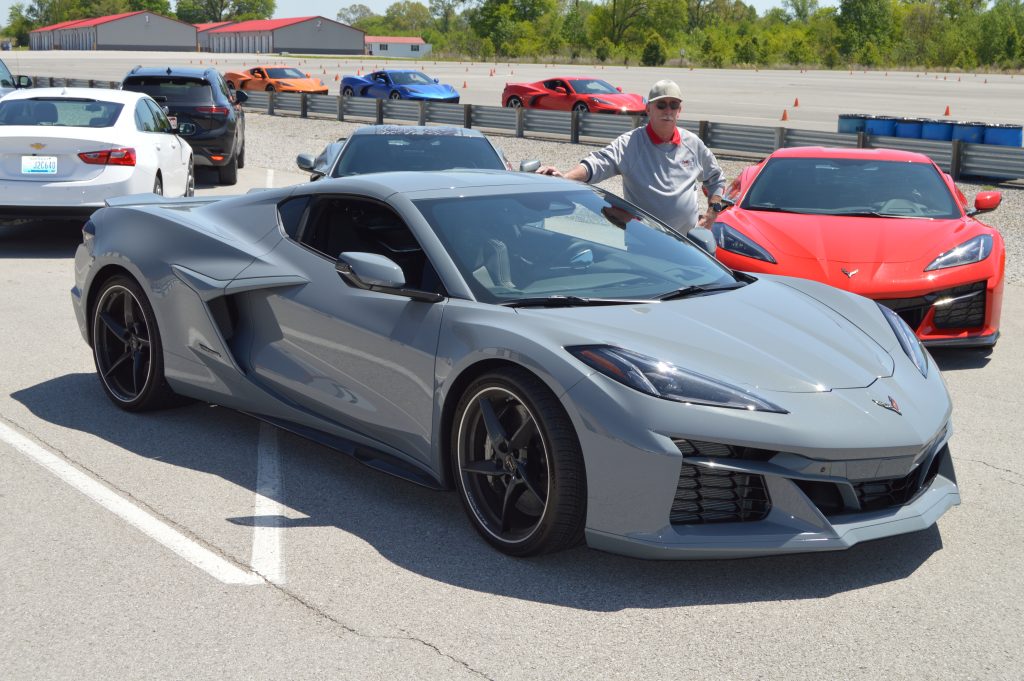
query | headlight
(598,100)
(907,338)
(668,381)
(729,239)
(975,250)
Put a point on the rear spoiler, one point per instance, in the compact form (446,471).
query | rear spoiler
(157,200)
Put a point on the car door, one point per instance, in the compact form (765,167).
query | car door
(358,358)
(153,154)
(553,99)
(173,163)
(258,80)
(380,86)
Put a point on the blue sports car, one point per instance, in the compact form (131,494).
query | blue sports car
(399,84)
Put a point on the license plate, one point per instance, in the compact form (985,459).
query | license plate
(38,165)
(173,120)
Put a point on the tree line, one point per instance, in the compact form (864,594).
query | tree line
(941,34)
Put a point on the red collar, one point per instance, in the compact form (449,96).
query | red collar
(657,140)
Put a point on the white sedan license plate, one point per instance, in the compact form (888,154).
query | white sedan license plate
(38,165)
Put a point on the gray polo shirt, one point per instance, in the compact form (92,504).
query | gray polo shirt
(660,178)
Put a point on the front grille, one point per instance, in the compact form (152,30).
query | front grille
(709,496)
(966,313)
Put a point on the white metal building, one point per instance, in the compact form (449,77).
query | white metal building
(299,35)
(141,30)
(203,33)
(396,46)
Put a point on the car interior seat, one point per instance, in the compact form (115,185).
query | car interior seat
(44,112)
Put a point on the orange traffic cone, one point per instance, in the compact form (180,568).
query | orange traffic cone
(796,102)
(464,86)
(947,111)
(785,115)
(336,78)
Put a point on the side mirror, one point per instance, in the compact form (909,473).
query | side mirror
(561,90)
(619,89)
(703,238)
(529,166)
(305,162)
(241,97)
(436,80)
(381,81)
(22,82)
(986,201)
(185,129)
(373,272)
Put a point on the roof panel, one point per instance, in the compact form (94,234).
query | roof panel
(263,24)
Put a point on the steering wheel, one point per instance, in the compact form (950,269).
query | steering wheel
(578,255)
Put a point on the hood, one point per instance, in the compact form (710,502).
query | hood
(765,336)
(435,90)
(850,239)
(625,99)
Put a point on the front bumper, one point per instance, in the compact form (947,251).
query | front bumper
(835,471)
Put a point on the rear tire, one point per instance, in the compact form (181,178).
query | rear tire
(518,465)
(127,348)
(228,174)
(347,91)
(271,88)
(241,156)
(514,103)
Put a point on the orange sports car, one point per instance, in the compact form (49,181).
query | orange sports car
(275,79)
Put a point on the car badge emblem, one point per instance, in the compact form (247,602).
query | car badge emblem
(848,273)
(37,145)
(891,405)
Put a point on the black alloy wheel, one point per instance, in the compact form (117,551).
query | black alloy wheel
(271,88)
(127,349)
(514,103)
(395,95)
(518,464)
(347,91)
(581,107)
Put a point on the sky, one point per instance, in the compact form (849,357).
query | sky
(329,8)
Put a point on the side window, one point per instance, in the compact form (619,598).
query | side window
(219,84)
(336,225)
(159,117)
(291,212)
(144,120)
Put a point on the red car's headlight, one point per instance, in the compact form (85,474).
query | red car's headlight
(972,251)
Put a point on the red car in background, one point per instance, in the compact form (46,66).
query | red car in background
(886,224)
(573,94)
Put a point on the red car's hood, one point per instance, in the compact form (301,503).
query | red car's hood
(625,99)
(856,240)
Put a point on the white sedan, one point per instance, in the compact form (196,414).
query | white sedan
(64,151)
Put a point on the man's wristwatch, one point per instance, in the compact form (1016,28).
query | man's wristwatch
(717,206)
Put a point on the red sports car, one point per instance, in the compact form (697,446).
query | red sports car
(885,224)
(572,94)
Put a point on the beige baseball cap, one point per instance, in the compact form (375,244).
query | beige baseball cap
(665,89)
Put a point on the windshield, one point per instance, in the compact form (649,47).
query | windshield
(591,86)
(6,79)
(410,78)
(172,89)
(581,243)
(78,113)
(287,72)
(382,153)
(847,186)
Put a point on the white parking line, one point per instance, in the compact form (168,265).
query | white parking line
(198,555)
(267,512)
(270,178)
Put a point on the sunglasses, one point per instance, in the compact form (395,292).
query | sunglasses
(669,105)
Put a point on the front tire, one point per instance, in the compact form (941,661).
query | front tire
(395,95)
(518,465)
(271,88)
(581,107)
(127,348)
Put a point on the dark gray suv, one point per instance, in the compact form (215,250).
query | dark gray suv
(201,96)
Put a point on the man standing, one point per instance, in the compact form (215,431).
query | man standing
(661,165)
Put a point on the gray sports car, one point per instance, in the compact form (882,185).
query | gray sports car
(573,368)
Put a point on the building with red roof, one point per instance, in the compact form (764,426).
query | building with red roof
(396,46)
(203,32)
(142,30)
(297,35)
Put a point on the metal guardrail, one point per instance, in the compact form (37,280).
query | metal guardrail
(956,157)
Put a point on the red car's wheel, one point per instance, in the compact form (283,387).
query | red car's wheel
(581,107)
(514,102)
